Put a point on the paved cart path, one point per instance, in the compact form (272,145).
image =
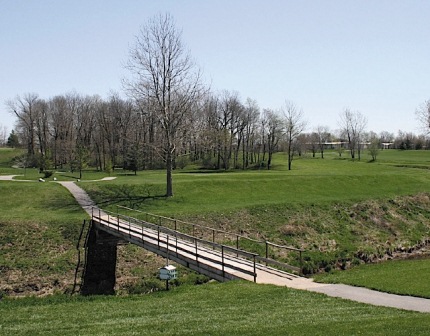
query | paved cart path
(270,276)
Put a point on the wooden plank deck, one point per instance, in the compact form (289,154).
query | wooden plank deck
(217,261)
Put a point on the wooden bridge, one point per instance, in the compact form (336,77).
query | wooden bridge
(206,256)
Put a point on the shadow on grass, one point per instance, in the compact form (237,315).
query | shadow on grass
(125,194)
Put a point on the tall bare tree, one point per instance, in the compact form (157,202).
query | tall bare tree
(25,109)
(3,135)
(353,125)
(423,115)
(323,135)
(164,73)
(294,125)
(272,124)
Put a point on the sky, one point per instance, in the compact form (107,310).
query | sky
(324,56)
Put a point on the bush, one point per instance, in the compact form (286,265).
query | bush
(47,173)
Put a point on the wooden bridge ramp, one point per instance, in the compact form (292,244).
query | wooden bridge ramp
(217,261)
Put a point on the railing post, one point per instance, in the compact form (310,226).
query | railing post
(129,226)
(222,260)
(255,271)
(176,235)
(175,225)
(194,230)
(195,242)
(301,263)
(213,238)
(158,236)
(267,251)
(167,252)
(100,216)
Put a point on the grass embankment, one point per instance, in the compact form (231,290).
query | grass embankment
(234,308)
(340,211)
(405,277)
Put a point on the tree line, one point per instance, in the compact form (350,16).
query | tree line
(170,118)
(220,131)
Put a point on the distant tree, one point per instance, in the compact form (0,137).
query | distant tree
(353,125)
(26,110)
(3,135)
(272,132)
(164,75)
(323,136)
(294,125)
(312,142)
(423,115)
(374,146)
(13,140)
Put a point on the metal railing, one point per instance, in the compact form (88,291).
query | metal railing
(176,243)
(193,229)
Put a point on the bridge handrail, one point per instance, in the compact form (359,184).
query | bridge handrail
(217,230)
(192,238)
(265,259)
(222,248)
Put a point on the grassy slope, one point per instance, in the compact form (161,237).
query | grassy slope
(235,308)
(231,308)
(39,227)
(334,208)
(310,181)
(338,210)
(407,277)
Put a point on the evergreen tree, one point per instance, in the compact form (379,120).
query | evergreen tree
(12,140)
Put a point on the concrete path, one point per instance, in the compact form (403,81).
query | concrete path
(7,177)
(271,276)
(353,293)
(80,195)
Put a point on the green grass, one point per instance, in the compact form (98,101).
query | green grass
(235,308)
(310,181)
(405,277)
(334,208)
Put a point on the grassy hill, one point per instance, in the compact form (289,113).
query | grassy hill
(342,212)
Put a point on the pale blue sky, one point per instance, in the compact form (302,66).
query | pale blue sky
(371,56)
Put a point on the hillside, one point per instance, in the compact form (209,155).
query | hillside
(342,212)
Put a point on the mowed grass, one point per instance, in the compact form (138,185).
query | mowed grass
(310,181)
(404,277)
(234,308)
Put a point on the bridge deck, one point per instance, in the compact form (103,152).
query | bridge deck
(217,261)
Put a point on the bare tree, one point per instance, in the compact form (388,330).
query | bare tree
(423,115)
(353,125)
(25,110)
(272,124)
(374,145)
(164,74)
(3,135)
(294,126)
(323,136)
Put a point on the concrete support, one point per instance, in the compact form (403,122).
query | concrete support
(100,264)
